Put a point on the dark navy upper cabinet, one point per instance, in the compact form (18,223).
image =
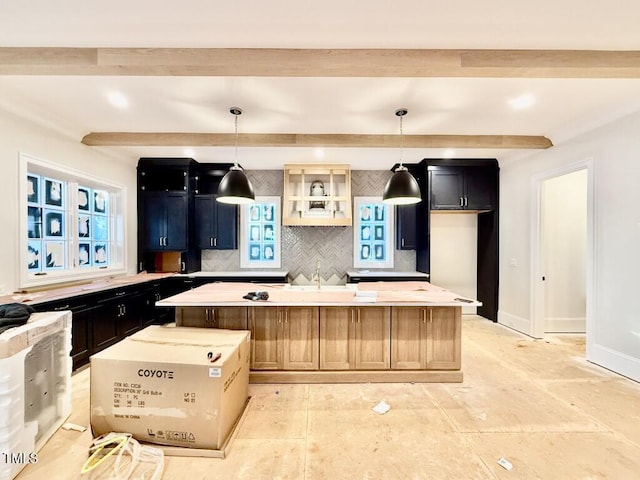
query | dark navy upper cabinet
(166,221)
(166,193)
(462,188)
(216,224)
(406,223)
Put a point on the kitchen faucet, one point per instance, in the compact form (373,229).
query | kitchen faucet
(316,276)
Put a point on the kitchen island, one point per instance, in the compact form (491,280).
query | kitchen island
(372,332)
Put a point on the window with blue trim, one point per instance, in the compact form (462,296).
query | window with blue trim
(260,233)
(373,233)
(73,230)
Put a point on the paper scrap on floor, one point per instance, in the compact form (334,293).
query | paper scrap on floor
(382,408)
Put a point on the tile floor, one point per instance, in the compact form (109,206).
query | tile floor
(537,403)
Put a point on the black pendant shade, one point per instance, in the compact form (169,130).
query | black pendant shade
(235,188)
(402,188)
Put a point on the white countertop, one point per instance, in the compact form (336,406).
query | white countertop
(408,293)
(239,273)
(385,273)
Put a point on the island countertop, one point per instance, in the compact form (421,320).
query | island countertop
(410,293)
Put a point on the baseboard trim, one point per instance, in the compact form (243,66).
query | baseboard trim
(566,325)
(617,362)
(515,322)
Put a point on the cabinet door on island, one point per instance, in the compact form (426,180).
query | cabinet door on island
(425,338)
(231,318)
(354,338)
(284,338)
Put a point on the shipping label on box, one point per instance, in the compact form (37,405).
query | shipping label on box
(161,385)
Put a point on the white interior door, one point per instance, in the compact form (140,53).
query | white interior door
(563,260)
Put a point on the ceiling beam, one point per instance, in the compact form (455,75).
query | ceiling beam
(319,62)
(169,139)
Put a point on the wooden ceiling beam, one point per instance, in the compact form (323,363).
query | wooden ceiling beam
(319,62)
(167,139)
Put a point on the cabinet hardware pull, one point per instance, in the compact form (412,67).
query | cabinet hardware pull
(352,314)
(402,243)
(358,312)
(430,316)
(466,201)
(64,307)
(461,201)
(214,317)
(124,309)
(184,266)
(160,240)
(424,315)
(206,316)
(211,241)
(119,294)
(215,241)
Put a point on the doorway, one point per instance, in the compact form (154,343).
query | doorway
(562,253)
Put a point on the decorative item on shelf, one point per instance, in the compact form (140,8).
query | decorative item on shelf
(317,194)
(317,190)
(402,188)
(235,187)
(317,207)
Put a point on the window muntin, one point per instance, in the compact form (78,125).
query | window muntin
(73,224)
(372,233)
(260,233)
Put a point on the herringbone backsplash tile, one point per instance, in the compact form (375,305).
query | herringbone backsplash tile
(303,246)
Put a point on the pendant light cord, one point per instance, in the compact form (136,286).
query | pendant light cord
(401,112)
(235,154)
(401,141)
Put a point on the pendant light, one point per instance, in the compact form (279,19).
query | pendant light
(235,188)
(402,188)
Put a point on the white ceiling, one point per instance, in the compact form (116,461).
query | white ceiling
(77,105)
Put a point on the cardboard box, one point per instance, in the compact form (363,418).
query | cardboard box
(161,386)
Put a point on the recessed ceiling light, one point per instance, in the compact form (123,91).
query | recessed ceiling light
(189,152)
(319,153)
(523,101)
(118,100)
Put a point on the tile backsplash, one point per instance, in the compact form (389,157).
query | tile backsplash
(303,246)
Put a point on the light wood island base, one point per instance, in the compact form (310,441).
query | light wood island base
(365,376)
(409,335)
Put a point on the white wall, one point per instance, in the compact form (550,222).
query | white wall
(454,253)
(18,135)
(564,245)
(613,331)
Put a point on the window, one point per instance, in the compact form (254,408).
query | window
(260,233)
(74,226)
(372,233)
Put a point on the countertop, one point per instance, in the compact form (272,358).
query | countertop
(385,273)
(412,293)
(239,273)
(58,293)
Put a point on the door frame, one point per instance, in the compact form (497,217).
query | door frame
(536,262)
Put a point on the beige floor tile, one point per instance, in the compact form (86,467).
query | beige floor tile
(550,456)
(248,459)
(402,444)
(276,412)
(364,396)
(613,402)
